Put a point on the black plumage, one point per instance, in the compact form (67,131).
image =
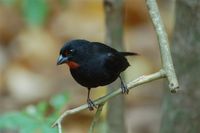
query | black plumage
(94,64)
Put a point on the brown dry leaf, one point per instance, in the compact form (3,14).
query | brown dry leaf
(36,46)
(82,19)
(135,13)
(10,24)
(25,86)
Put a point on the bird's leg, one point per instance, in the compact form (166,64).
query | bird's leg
(90,103)
(123,86)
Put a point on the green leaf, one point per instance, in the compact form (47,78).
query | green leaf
(42,108)
(48,129)
(15,120)
(33,119)
(59,101)
(33,112)
(35,11)
(25,123)
(30,128)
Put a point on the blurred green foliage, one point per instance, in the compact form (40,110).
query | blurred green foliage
(35,11)
(34,118)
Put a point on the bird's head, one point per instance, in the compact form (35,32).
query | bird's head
(71,53)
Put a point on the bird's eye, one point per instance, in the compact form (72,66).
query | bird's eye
(65,53)
(68,52)
(71,50)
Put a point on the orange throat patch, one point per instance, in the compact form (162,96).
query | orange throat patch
(72,65)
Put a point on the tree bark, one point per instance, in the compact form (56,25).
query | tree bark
(114,38)
(182,110)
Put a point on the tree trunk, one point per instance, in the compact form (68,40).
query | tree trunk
(114,38)
(182,110)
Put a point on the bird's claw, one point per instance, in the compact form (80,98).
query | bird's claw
(91,105)
(124,89)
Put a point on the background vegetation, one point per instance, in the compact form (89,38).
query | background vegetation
(34,91)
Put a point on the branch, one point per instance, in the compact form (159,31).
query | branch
(59,128)
(130,85)
(114,25)
(96,117)
(164,45)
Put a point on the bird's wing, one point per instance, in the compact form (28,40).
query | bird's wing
(110,58)
(114,61)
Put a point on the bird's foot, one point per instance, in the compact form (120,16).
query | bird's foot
(124,89)
(91,104)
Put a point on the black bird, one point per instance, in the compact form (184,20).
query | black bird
(94,64)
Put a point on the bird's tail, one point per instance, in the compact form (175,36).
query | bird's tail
(129,53)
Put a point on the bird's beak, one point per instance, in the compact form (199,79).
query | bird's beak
(62,60)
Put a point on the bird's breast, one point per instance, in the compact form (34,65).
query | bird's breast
(73,65)
(93,76)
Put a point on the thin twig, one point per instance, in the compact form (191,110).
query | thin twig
(130,85)
(69,112)
(164,44)
(96,117)
(59,128)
